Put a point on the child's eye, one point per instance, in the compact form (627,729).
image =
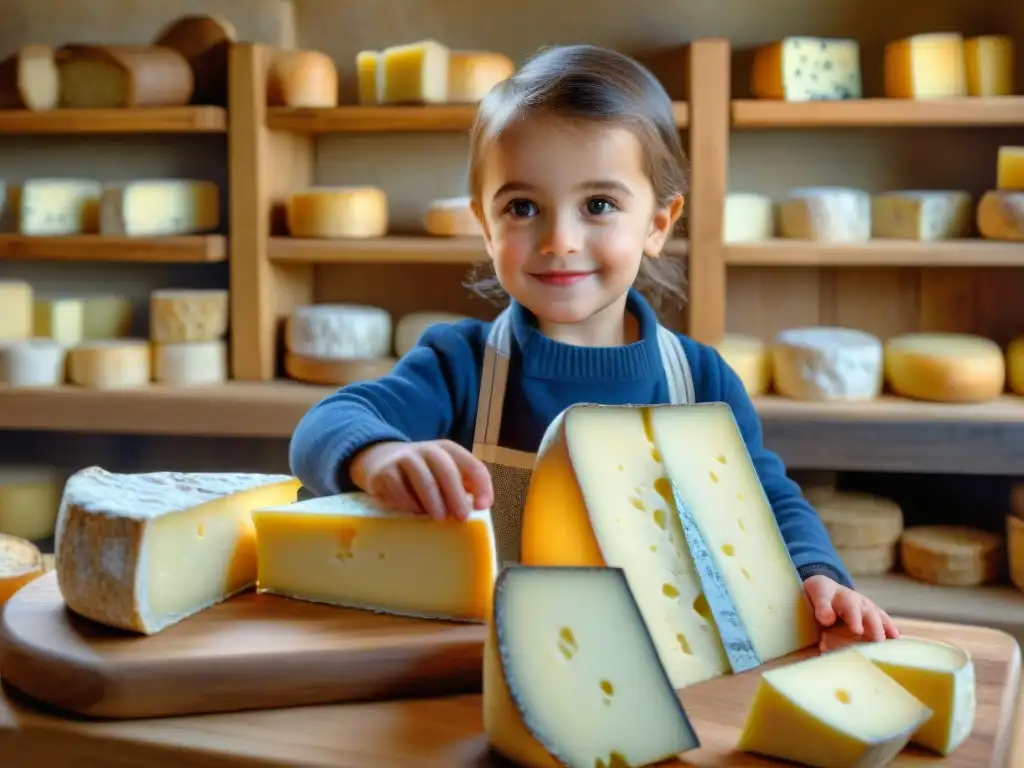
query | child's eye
(522,208)
(599,206)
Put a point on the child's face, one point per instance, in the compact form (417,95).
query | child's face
(568,213)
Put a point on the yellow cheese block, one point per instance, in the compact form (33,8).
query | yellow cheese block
(471,74)
(945,367)
(159,208)
(1010,168)
(938,675)
(600,495)
(327,212)
(188,315)
(1015,365)
(369,77)
(110,364)
(929,66)
(415,73)
(20,563)
(571,676)
(302,79)
(837,710)
(989,61)
(751,360)
(1001,215)
(29,499)
(142,552)
(16,318)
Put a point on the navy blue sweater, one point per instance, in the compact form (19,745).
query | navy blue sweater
(432,394)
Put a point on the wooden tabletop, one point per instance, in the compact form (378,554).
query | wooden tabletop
(443,731)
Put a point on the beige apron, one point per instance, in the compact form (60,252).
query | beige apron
(510,469)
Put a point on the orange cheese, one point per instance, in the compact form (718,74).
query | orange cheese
(930,66)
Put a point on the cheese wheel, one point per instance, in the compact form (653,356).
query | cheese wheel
(471,74)
(748,218)
(335,371)
(110,364)
(189,363)
(302,79)
(868,561)
(180,315)
(1001,215)
(329,212)
(945,367)
(205,42)
(826,214)
(951,555)
(20,562)
(750,358)
(451,217)
(412,326)
(858,520)
(32,363)
(29,79)
(339,331)
(825,363)
(1015,550)
(120,76)
(29,500)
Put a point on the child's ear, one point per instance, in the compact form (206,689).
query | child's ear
(478,212)
(663,223)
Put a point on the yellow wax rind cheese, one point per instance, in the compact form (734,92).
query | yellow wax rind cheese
(471,74)
(1000,215)
(1010,168)
(415,73)
(928,66)
(20,563)
(945,367)
(990,65)
(571,675)
(336,212)
(1015,365)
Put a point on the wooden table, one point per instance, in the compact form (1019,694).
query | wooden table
(446,732)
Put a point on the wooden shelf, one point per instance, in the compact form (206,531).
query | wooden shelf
(119,121)
(453,118)
(876,253)
(879,113)
(157,250)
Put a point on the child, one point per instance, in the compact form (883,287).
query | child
(577,178)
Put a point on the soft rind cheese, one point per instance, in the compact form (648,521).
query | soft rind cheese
(159,207)
(1001,215)
(29,499)
(20,563)
(940,676)
(415,73)
(952,555)
(827,363)
(410,328)
(110,364)
(337,212)
(451,217)
(928,66)
(945,367)
(750,359)
(1010,168)
(188,315)
(471,74)
(989,62)
(141,552)
(921,215)
(858,520)
(600,495)
(807,69)
(190,363)
(339,331)
(351,551)
(52,207)
(16,313)
(302,79)
(837,710)
(747,218)
(826,214)
(32,363)
(571,676)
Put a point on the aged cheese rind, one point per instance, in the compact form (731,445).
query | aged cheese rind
(921,215)
(826,214)
(451,217)
(750,359)
(945,367)
(826,363)
(868,561)
(807,69)
(410,328)
(32,363)
(143,551)
(189,363)
(952,555)
(337,212)
(928,66)
(302,79)
(181,315)
(339,331)
(1001,215)
(159,207)
(335,371)
(748,218)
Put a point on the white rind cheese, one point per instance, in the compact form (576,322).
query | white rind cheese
(807,69)
(925,215)
(183,315)
(32,363)
(190,363)
(339,331)
(53,207)
(748,218)
(826,214)
(825,363)
(161,207)
(410,328)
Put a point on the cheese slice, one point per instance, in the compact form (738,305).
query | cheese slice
(989,61)
(826,214)
(187,315)
(110,364)
(29,498)
(832,711)
(51,207)
(351,551)
(411,328)
(939,675)
(928,66)
(1001,215)
(826,363)
(415,73)
(334,212)
(20,563)
(750,359)
(141,552)
(945,367)
(807,69)
(1010,168)
(369,77)
(339,331)
(571,676)
(160,207)
(748,218)
(600,495)
(16,301)
(190,363)
(32,363)
(921,215)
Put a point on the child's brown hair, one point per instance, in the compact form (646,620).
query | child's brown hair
(585,82)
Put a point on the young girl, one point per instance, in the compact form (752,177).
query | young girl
(577,178)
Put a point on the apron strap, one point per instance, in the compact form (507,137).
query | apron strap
(677,368)
(493,380)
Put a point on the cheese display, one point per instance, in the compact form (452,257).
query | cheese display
(807,69)
(369,77)
(327,212)
(415,73)
(16,310)
(952,555)
(204,41)
(50,207)
(938,675)
(186,315)
(158,207)
(451,217)
(335,371)
(411,327)
(1010,168)
(471,74)
(33,363)
(837,710)
(868,561)
(1001,215)
(989,64)
(110,364)
(302,79)
(601,494)
(20,563)
(750,359)
(141,552)
(928,66)
(1015,550)
(826,214)
(856,520)
(72,320)
(122,76)
(189,363)
(572,677)
(921,215)
(826,363)
(351,551)
(945,367)
(29,79)
(339,331)
(29,499)
(747,218)
(1015,365)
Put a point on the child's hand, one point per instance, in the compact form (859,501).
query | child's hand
(832,600)
(435,477)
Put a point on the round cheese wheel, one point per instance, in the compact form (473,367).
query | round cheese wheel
(188,315)
(858,520)
(945,367)
(32,363)
(1015,365)
(750,358)
(451,217)
(339,331)
(412,326)
(20,562)
(190,363)
(336,212)
(110,364)
(825,363)
(1001,215)
(302,79)
(335,371)
(951,555)
(868,561)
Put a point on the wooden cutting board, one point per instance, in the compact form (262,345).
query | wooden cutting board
(251,652)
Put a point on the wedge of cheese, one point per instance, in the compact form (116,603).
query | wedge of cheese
(601,495)
(143,551)
(571,676)
(350,551)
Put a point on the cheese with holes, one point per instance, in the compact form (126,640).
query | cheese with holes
(826,214)
(837,710)
(868,561)
(826,363)
(16,302)
(952,555)
(750,359)
(600,494)
(1015,365)
(928,66)
(471,74)
(921,215)
(20,563)
(369,77)
(1001,215)
(451,217)
(110,364)
(807,69)
(989,62)
(1010,168)
(32,363)
(302,79)
(748,218)
(329,212)
(855,520)
(339,331)
(1015,550)
(351,551)
(411,327)
(29,79)
(29,499)
(159,207)
(945,367)
(141,552)
(188,363)
(185,315)
(572,677)
(72,320)
(415,73)
(51,207)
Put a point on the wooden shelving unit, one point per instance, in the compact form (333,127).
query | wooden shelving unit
(875,253)
(195,249)
(879,113)
(115,121)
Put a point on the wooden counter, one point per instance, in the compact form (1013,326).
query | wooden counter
(448,732)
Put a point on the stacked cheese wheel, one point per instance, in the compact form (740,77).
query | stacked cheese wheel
(952,555)
(864,528)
